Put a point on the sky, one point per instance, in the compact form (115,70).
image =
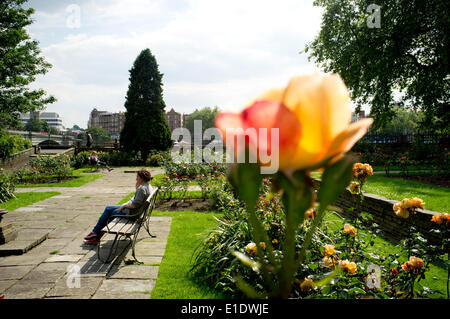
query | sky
(212,53)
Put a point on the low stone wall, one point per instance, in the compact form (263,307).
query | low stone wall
(17,160)
(382,211)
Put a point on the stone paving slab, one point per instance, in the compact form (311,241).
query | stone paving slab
(67,287)
(27,290)
(134,272)
(14,272)
(5,284)
(26,240)
(63,258)
(42,272)
(46,273)
(129,289)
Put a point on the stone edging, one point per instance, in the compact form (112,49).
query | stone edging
(382,211)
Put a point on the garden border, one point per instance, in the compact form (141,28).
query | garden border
(381,209)
(17,160)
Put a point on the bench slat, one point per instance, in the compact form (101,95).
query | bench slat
(121,225)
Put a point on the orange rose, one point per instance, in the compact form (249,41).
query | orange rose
(310,213)
(307,284)
(313,117)
(437,218)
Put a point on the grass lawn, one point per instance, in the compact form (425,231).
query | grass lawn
(81,179)
(436,198)
(436,276)
(187,230)
(25,199)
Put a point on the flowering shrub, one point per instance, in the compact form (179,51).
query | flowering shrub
(48,166)
(113,158)
(7,186)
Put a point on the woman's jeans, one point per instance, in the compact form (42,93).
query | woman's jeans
(103,220)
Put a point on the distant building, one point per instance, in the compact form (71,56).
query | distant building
(358,116)
(112,122)
(174,119)
(53,119)
(185,116)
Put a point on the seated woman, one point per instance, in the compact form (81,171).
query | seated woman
(95,161)
(143,190)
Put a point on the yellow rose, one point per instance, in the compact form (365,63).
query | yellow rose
(350,230)
(329,250)
(348,266)
(351,268)
(401,212)
(330,261)
(313,116)
(416,262)
(262,245)
(251,249)
(417,202)
(406,203)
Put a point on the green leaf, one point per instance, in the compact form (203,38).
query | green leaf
(248,289)
(255,266)
(334,180)
(246,178)
(328,277)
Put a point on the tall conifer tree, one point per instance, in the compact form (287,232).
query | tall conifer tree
(145,126)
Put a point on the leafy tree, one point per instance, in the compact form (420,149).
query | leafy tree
(20,63)
(405,121)
(207,115)
(402,60)
(35,125)
(99,134)
(145,126)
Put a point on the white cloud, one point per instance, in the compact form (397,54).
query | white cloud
(211,52)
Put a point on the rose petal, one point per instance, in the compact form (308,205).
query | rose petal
(345,140)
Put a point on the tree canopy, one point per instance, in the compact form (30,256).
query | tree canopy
(20,62)
(99,134)
(393,53)
(145,126)
(207,115)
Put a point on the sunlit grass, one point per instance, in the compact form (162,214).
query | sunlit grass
(187,230)
(25,199)
(81,178)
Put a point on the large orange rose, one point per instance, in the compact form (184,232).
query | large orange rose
(313,116)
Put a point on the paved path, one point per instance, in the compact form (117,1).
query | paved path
(50,270)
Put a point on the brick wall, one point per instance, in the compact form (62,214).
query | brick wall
(382,211)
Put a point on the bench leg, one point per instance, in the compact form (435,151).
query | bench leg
(147,227)
(114,244)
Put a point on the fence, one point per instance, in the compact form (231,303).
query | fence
(426,138)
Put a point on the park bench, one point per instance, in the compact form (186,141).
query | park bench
(128,226)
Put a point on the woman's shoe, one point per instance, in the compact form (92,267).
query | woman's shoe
(90,236)
(93,241)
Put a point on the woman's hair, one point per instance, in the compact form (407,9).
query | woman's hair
(94,153)
(145,175)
